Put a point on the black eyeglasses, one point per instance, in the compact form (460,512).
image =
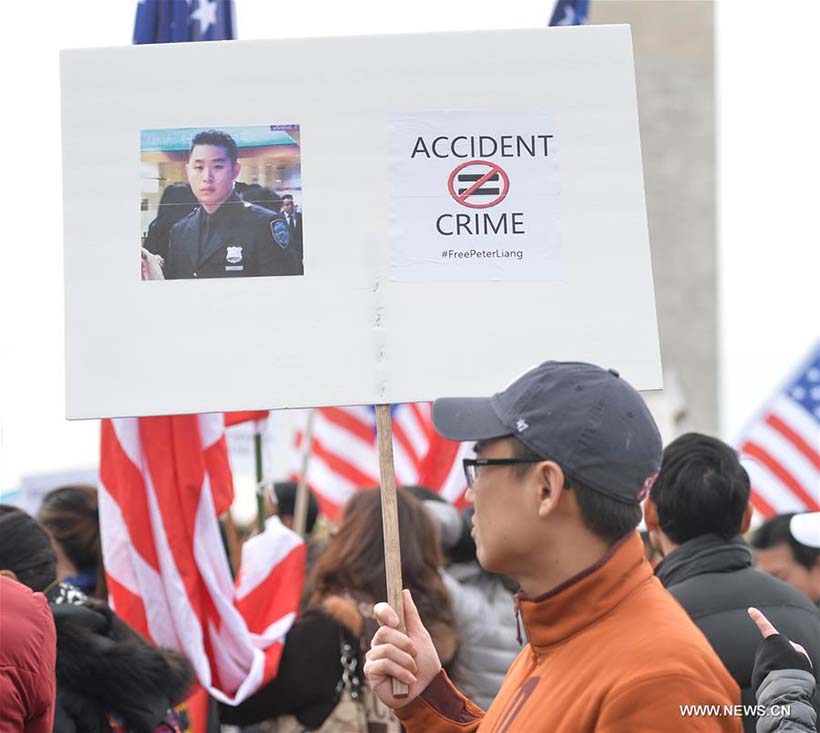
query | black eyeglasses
(471,466)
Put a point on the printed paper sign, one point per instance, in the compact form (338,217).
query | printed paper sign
(474,196)
(452,214)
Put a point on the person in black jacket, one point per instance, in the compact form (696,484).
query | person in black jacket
(294,220)
(695,513)
(225,236)
(106,673)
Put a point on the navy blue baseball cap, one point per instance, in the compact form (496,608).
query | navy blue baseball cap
(587,419)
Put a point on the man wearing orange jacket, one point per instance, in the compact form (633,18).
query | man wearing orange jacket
(564,457)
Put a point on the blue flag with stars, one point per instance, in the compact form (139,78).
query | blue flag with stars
(177,21)
(570,12)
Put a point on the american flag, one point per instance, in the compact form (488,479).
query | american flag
(781,448)
(236,418)
(570,12)
(163,483)
(176,21)
(344,454)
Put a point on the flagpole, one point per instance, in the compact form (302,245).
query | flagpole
(301,505)
(390,523)
(232,539)
(260,489)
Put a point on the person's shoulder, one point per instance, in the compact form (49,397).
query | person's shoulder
(185,221)
(20,601)
(780,592)
(18,597)
(710,593)
(262,218)
(270,226)
(649,613)
(654,641)
(26,623)
(252,212)
(344,612)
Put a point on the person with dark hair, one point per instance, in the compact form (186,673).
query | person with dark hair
(565,455)
(284,499)
(294,219)
(324,648)
(106,673)
(70,515)
(224,236)
(286,502)
(696,512)
(27,659)
(779,553)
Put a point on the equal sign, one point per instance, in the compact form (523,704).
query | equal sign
(482,190)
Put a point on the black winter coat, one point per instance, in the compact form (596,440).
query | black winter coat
(242,240)
(104,665)
(713,579)
(309,671)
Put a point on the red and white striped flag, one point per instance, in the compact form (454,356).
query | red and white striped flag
(442,469)
(236,418)
(344,456)
(781,447)
(163,483)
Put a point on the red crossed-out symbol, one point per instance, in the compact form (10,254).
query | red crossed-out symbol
(481,184)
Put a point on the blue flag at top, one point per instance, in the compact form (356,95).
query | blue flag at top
(570,12)
(176,21)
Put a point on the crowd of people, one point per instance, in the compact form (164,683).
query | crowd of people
(535,609)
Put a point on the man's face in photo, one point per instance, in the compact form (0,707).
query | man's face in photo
(211,174)
(287,206)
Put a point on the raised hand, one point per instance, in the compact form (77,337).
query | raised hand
(409,657)
(767,629)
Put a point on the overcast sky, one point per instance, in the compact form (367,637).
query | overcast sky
(768,200)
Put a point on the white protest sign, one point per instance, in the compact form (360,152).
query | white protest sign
(410,225)
(474,196)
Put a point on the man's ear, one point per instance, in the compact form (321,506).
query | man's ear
(549,478)
(9,574)
(650,515)
(746,521)
(237,167)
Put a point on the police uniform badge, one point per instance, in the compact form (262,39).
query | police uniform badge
(233,255)
(281,232)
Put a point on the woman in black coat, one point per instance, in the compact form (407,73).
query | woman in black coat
(108,677)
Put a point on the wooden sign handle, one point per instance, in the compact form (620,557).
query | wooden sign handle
(390,523)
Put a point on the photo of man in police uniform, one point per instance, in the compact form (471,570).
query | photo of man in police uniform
(225,236)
